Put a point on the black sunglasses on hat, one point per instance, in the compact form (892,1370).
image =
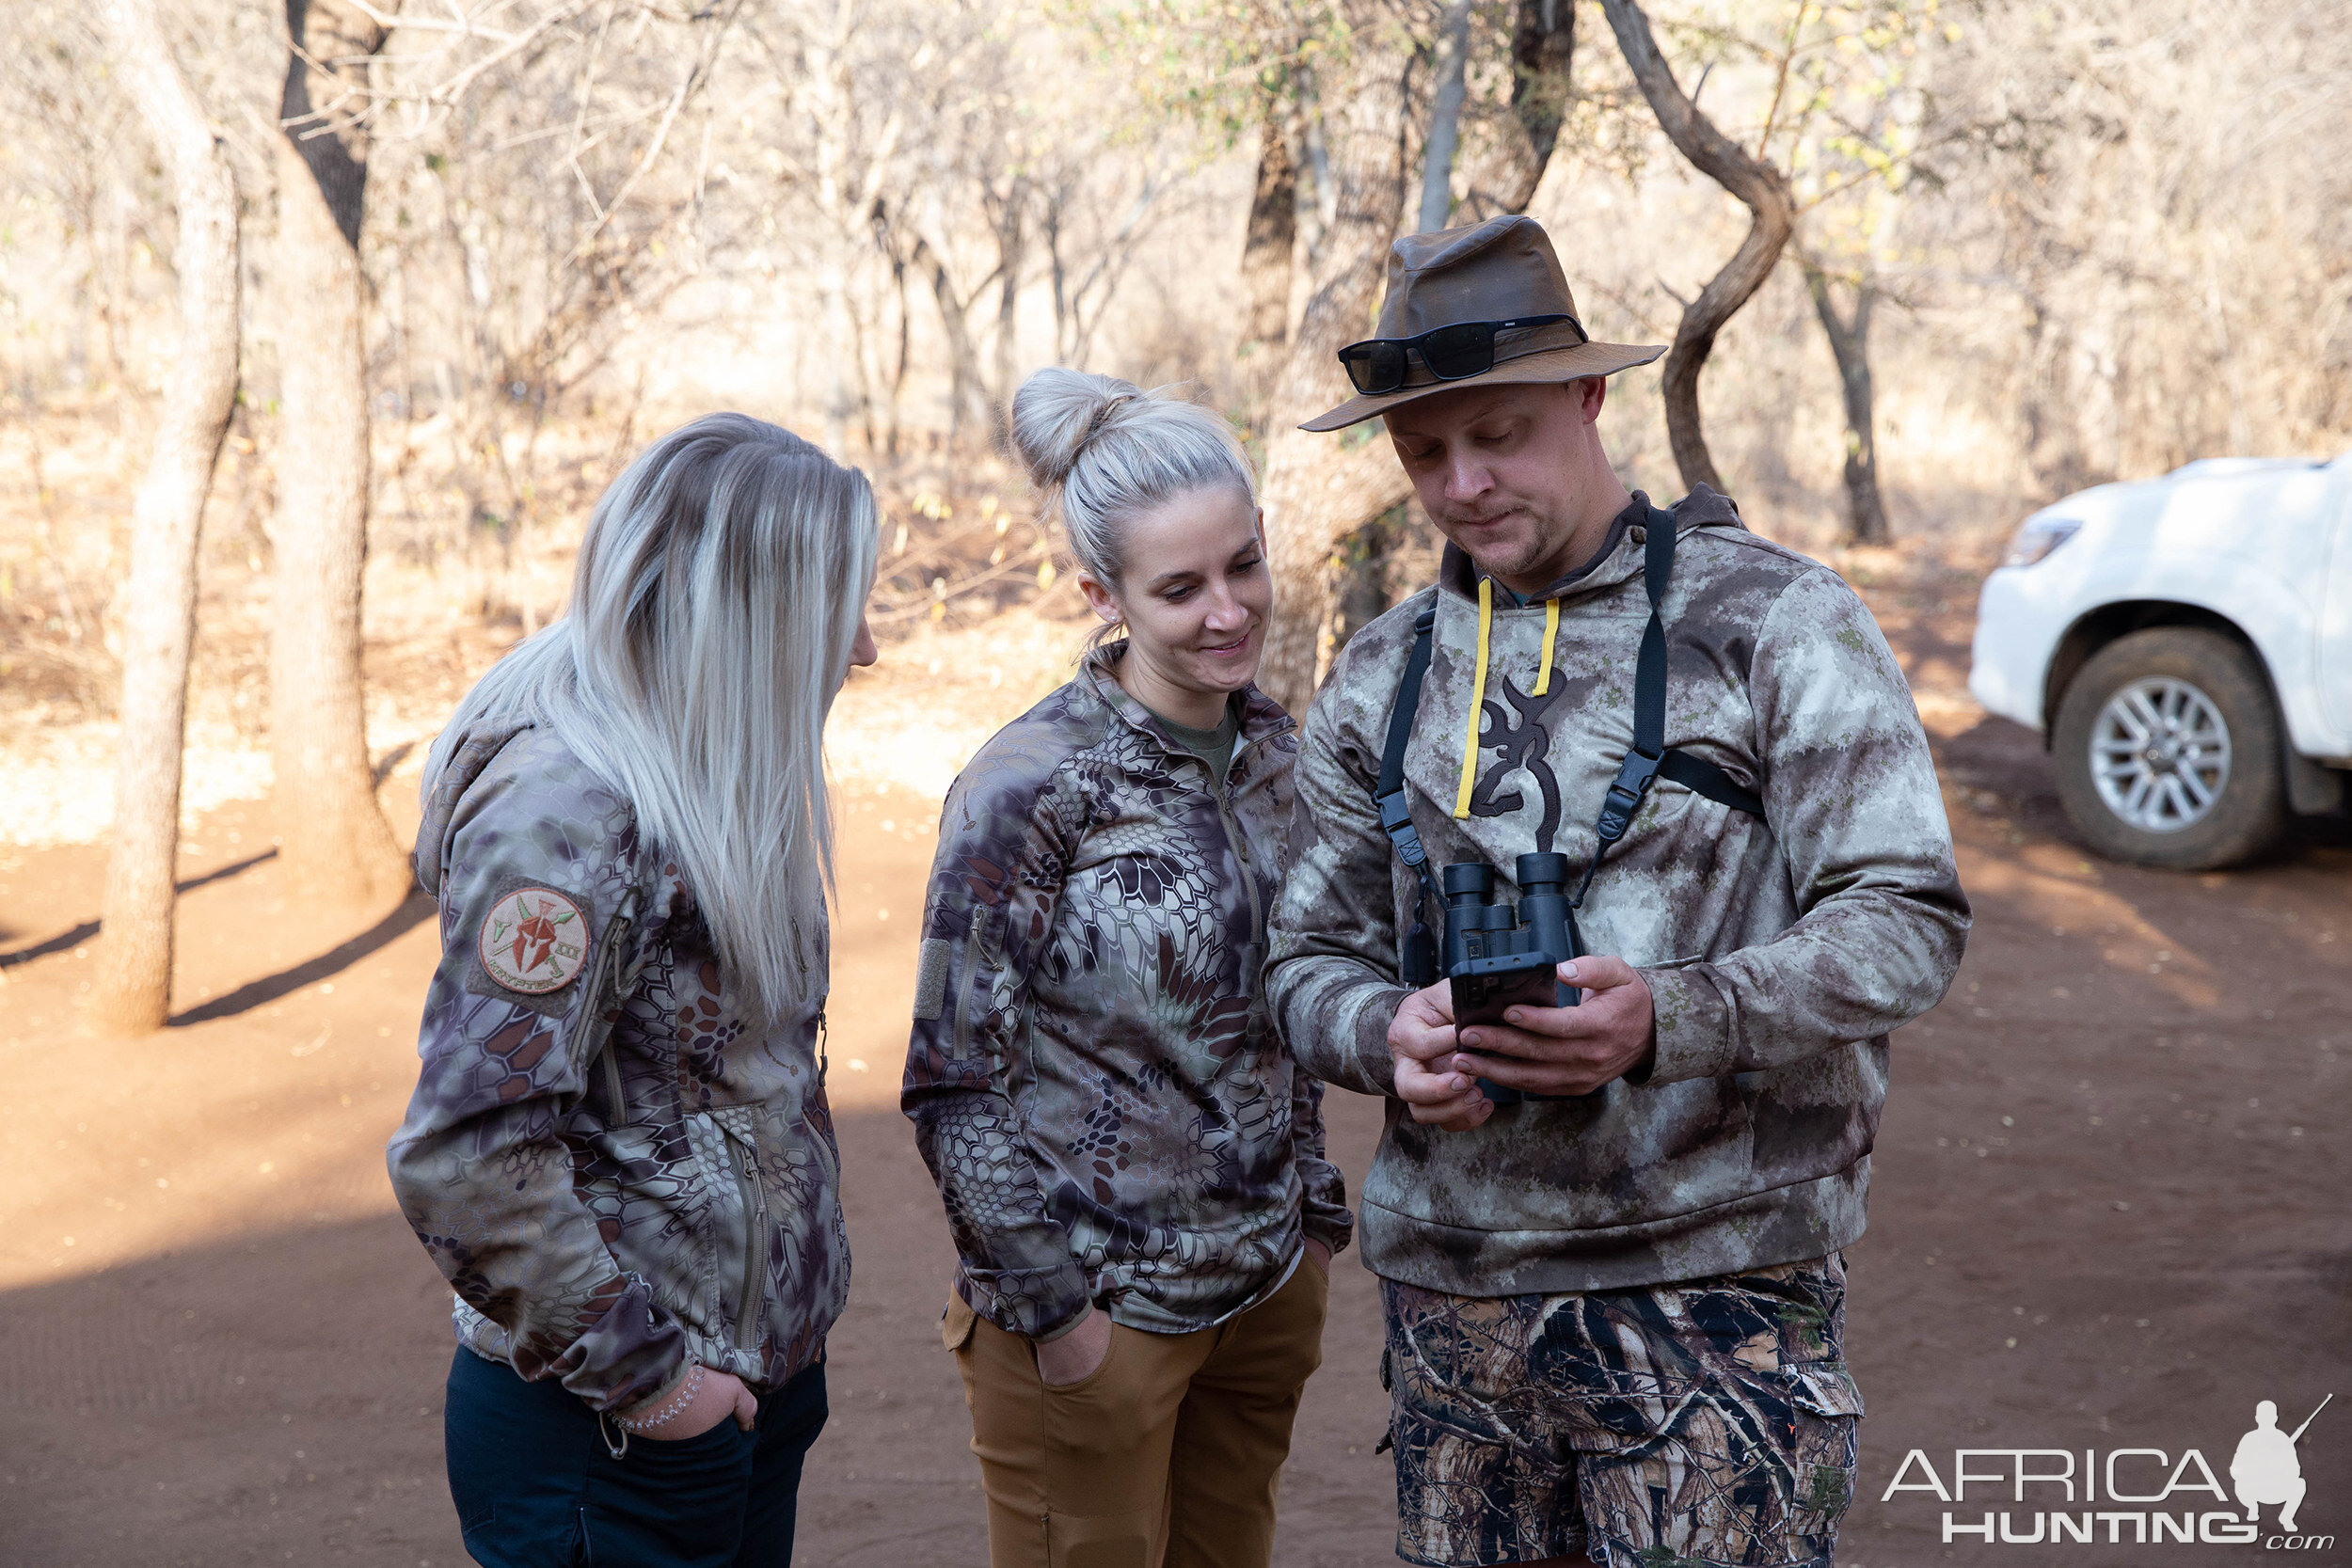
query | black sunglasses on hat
(1452,352)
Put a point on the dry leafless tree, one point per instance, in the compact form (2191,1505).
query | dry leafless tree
(132,989)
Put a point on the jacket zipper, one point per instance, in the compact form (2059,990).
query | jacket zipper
(1240,844)
(752,1307)
(614,1107)
(604,995)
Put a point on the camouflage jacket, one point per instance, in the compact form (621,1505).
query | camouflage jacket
(620,1173)
(1093,1075)
(1779,951)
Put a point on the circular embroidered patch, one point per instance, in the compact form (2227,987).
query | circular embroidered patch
(534,941)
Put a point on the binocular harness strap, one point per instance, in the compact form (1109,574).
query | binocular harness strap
(1643,766)
(1388,798)
(1649,760)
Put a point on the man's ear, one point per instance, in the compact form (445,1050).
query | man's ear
(1591,392)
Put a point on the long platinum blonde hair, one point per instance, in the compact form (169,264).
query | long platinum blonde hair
(713,611)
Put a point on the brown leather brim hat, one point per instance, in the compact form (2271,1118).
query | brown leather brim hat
(1500,270)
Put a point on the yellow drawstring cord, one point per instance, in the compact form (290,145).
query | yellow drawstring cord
(1478,698)
(1551,629)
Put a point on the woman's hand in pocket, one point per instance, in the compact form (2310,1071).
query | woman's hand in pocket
(722,1395)
(1076,1357)
(1320,1254)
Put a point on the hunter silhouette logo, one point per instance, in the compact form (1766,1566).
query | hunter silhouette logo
(534,941)
(2265,1470)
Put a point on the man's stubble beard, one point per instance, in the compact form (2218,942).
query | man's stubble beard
(1525,555)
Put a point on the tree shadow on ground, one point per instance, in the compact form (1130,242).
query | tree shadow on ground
(413,911)
(76,935)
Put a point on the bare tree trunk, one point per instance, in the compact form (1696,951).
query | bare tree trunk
(832,287)
(968,390)
(2051,404)
(1761,187)
(1543,46)
(1850,341)
(1320,488)
(338,849)
(132,989)
(863,384)
(1272,234)
(1445,118)
(885,240)
(1267,246)
(1011,251)
(1057,273)
(827,85)
(1325,203)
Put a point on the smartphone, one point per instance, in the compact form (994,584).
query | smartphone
(1484,988)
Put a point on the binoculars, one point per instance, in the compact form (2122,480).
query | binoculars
(1497,955)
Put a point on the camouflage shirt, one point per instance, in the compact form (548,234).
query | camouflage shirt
(619,1171)
(1093,1075)
(1779,951)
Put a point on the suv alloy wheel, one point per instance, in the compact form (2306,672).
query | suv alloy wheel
(2168,751)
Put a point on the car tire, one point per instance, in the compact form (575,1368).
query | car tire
(2217,812)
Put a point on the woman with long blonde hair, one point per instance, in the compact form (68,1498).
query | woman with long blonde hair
(619,1152)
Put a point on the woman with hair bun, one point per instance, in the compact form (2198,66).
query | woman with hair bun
(1132,1165)
(619,1152)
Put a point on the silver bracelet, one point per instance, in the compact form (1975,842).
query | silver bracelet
(677,1406)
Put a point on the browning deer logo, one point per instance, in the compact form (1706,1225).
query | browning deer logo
(1513,729)
(534,941)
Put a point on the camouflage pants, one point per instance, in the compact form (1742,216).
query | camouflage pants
(1704,1423)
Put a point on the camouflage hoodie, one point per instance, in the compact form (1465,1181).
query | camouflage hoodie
(620,1173)
(1093,1076)
(1780,951)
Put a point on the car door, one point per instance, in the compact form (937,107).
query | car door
(2334,663)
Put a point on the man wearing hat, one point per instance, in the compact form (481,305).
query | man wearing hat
(1608,1234)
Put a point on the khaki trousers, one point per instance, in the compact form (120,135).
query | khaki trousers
(1165,1456)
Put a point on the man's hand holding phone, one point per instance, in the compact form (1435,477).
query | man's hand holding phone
(1421,1043)
(1555,1051)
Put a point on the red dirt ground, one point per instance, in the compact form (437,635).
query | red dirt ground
(2109,1213)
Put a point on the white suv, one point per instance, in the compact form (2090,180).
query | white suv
(2185,646)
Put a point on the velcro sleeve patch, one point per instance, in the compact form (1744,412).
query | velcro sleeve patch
(534,941)
(930,981)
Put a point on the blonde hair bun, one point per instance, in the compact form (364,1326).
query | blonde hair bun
(1102,452)
(1056,412)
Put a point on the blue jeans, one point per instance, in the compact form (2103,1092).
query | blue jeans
(537,1486)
